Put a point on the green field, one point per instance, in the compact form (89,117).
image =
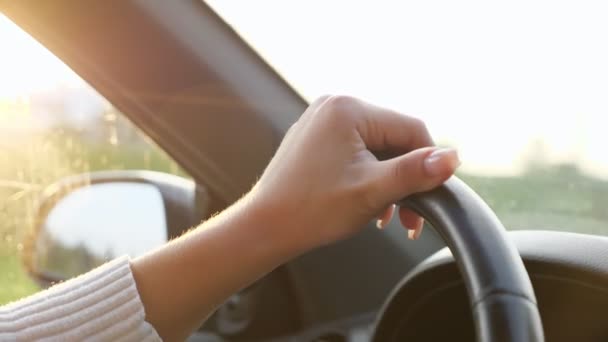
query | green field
(555,198)
(16,283)
(28,166)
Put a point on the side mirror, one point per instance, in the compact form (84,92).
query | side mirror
(85,220)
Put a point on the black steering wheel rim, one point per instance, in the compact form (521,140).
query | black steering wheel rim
(499,289)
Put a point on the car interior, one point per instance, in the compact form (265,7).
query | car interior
(183,76)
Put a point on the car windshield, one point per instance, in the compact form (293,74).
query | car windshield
(519,87)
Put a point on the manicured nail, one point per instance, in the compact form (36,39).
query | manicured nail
(414,234)
(411,233)
(441,160)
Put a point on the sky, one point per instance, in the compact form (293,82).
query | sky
(490,78)
(29,71)
(26,66)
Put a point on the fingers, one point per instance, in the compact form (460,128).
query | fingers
(412,221)
(381,129)
(417,171)
(414,234)
(409,219)
(385,217)
(384,129)
(417,166)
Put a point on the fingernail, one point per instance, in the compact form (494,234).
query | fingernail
(411,233)
(441,160)
(379,224)
(414,234)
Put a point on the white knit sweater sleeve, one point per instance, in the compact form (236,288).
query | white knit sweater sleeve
(102,305)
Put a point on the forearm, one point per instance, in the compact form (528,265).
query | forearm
(322,185)
(182,283)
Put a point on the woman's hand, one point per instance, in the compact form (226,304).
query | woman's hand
(325,183)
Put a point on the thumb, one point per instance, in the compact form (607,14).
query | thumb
(417,171)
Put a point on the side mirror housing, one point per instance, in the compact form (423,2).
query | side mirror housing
(87,219)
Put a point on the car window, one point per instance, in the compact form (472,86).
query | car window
(52,125)
(518,87)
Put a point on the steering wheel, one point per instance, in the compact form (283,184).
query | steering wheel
(499,289)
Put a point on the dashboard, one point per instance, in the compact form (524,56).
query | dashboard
(332,291)
(569,273)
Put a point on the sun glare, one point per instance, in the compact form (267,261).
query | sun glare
(491,92)
(26,66)
(491,78)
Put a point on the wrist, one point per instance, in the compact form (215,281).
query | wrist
(270,226)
